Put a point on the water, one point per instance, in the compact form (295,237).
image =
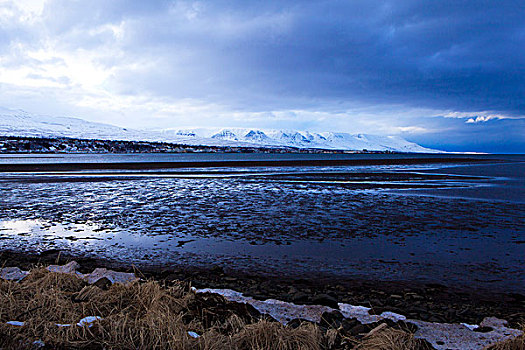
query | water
(181,157)
(453,224)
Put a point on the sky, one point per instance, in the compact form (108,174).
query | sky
(446,74)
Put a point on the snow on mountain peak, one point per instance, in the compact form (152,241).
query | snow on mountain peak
(20,123)
(305,139)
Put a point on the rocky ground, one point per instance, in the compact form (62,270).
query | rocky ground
(46,308)
(39,309)
(427,302)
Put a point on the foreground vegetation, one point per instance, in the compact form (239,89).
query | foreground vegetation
(149,315)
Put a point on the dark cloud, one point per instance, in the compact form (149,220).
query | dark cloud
(460,55)
(262,56)
(493,136)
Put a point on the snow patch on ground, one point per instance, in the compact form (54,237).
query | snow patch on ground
(97,274)
(441,335)
(113,276)
(16,274)
(193,334)
(460,336)
(13,273)
(88,321)
(280,310)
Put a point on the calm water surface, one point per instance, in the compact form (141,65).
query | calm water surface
(454,224)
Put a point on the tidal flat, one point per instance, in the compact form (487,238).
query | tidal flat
(440,237)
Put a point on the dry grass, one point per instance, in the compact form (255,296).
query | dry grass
(138,316)
(391,339)
(271,335)
(511,344)
(148,315)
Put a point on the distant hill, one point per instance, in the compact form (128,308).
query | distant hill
(20,123)
(303,139)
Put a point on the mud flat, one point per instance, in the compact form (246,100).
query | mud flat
(426,241)
(64,166)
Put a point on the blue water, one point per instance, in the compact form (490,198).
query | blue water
(184,157)
(466,229)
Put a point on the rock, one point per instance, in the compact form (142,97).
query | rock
(296,322)
(340,288)
(358,330)
(436,286)
(349,323)
(332,319)
(376,302)
(103,283)
(71,268)
(50,253)
(436,318)
(517,296)
(299,297)
(326,300)
(483,329)
(13,274)
(218,309)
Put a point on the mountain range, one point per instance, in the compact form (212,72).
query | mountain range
(20,123)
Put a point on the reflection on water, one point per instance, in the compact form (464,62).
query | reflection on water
(391,222)
(197,157)
(460,260)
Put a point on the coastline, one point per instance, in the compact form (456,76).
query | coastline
(127,311)
(416,297)
(63,166)
(425,301)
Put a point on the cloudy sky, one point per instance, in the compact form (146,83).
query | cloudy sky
(448,74)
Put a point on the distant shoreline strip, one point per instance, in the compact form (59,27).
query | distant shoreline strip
(48,167)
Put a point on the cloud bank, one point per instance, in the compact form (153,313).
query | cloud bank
(447,73)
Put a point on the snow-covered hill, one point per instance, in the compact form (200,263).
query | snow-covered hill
(20,123)
(303,139)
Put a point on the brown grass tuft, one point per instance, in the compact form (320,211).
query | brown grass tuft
(272,335)
(391,339)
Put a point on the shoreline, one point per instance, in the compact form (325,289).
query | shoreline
(50,167)
(425,301)
(124,308)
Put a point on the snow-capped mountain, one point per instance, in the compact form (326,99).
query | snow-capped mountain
(304,139)
(20,123)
